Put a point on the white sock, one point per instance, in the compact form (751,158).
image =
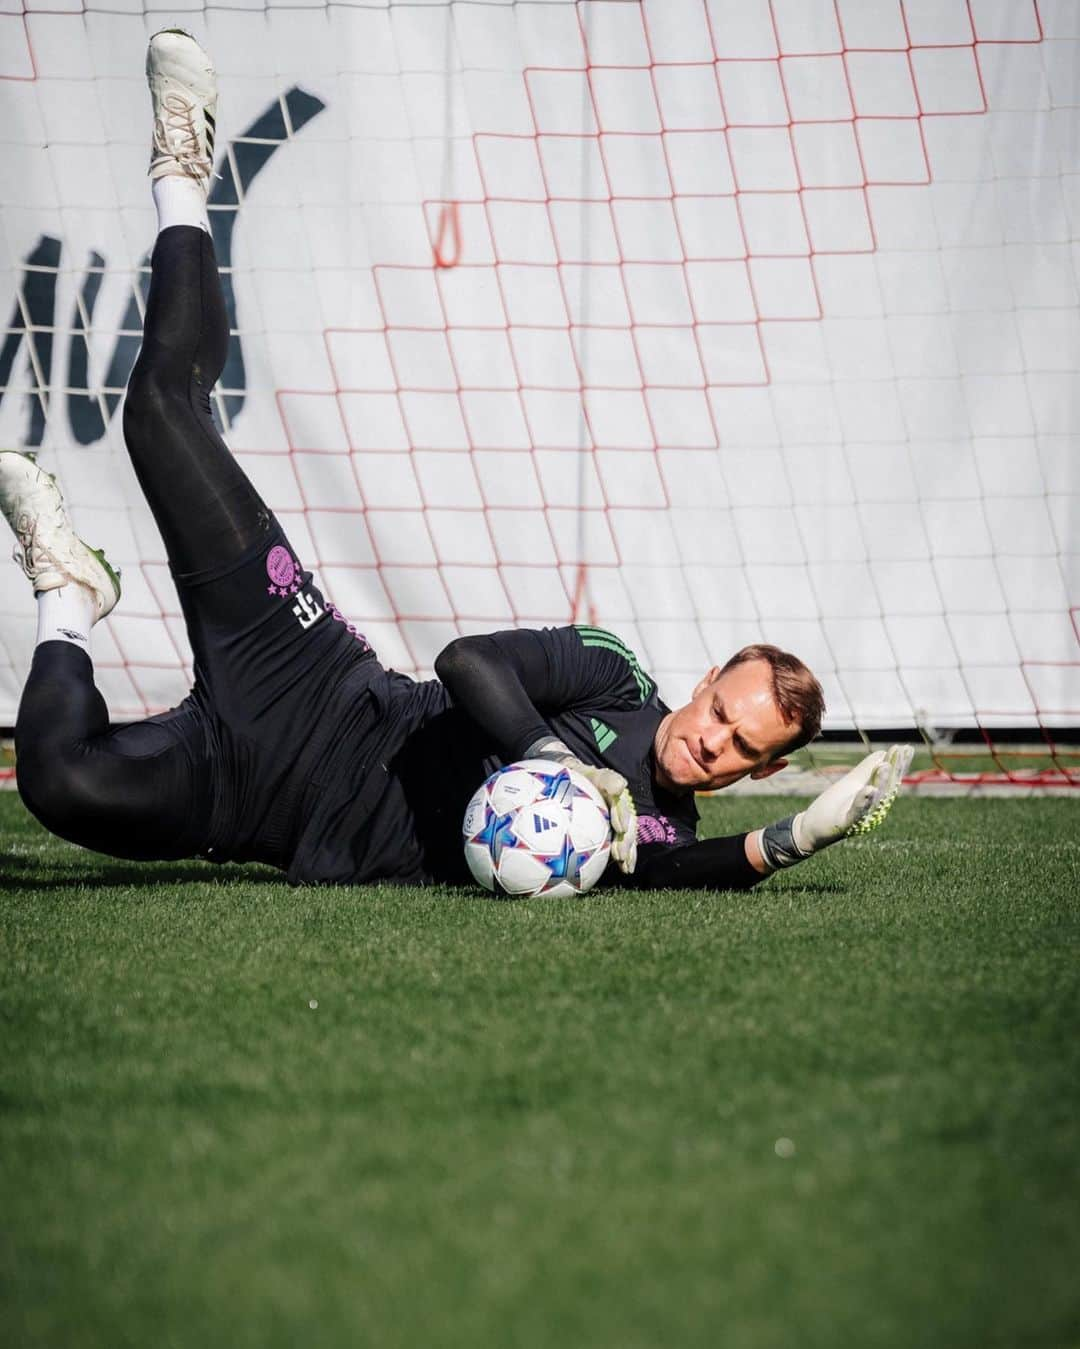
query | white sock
(66,615)
(180,201)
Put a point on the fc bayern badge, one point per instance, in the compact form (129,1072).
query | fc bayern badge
(283,570)
(280,566)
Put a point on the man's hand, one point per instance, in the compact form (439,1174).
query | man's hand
(612,787)
(854,805)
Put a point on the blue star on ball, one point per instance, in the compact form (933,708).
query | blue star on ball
(497,834)
(565,866)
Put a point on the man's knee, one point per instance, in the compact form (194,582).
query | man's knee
(151,405)
(68,789)
(56,789)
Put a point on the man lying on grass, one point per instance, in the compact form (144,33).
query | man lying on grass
(295,746)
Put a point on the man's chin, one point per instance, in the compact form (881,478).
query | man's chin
(695,776)
(682,776)
(697,780)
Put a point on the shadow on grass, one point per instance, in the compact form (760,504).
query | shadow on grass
(19,872)
(810,888)
(28,873)
(22,871)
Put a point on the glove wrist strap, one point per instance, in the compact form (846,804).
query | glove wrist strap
(549,747)
(778,845)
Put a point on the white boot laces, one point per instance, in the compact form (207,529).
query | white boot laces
(179,118)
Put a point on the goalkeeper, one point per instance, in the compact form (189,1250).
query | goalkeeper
(295,747)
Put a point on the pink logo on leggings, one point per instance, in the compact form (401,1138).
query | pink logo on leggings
(283,570)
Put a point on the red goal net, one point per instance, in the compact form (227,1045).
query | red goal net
(709,321)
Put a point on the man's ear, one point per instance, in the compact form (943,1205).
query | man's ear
(707,678)
(768,770)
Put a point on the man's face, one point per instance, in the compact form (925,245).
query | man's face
(729,729)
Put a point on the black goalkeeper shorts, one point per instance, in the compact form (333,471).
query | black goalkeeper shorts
(270,656)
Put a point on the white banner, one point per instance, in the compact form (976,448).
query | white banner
(708,322)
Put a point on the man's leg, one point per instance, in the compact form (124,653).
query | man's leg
(140,791)
(208,512)
(144,790)
(248,604)
(265,647)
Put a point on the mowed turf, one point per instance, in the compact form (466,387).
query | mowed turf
(839,1110)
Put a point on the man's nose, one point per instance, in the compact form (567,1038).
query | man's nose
(713,740)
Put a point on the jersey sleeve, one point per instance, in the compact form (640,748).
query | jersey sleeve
(584,666)
(711,864)
(508,681)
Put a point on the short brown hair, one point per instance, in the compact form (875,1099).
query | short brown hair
(797,693)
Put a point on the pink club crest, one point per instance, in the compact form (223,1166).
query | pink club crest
(281,567)
(655,829)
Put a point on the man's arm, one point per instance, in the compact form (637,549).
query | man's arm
(498,679)
(502,680)
(710,864)
(854,805)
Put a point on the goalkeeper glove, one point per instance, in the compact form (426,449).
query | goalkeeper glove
(854,805)
(612,787)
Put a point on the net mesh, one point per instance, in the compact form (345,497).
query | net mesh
(710,322)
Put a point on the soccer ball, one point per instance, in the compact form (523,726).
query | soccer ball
(536,828)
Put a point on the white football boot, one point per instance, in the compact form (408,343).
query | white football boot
(47,548)
(183,88)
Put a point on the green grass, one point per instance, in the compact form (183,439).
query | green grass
(1058,763)
(549,1123)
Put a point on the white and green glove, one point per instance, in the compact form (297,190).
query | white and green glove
(854,805)
(612,787)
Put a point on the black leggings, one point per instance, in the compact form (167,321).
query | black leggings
(145,790)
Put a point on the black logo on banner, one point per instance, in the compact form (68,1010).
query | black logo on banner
(33,319)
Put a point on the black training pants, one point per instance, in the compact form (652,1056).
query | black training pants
(216,770)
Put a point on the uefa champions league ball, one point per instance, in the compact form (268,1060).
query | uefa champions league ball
(536,828)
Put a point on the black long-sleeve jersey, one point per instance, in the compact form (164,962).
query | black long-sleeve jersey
(404,757)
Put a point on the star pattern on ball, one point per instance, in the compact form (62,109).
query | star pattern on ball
(564,866)
(497,835)
(557,786)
